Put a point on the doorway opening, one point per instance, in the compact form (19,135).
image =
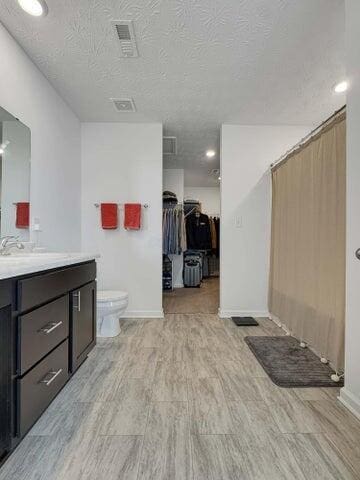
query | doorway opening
(191,242)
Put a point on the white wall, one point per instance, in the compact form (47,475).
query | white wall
(55,145)
(246,154)
(350,395)
(173,180)
(123,163)
(208,196)
(15,176)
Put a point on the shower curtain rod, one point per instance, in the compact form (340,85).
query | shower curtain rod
(308,137)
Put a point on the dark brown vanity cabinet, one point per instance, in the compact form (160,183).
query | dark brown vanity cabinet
(41,331)
(83,324)
(41,385)
(47,329)
(5,380)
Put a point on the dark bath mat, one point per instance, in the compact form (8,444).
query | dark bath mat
(245,321)
(289,365)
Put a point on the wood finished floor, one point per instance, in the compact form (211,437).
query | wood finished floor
(194,300)
(184,398)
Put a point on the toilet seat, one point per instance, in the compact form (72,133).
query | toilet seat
(106,296)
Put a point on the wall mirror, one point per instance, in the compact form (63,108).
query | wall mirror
(15,152)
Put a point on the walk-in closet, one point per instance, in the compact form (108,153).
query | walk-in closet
(191,244)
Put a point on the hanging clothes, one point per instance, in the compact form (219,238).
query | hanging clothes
(174,237)
(217,229)
(198,233)
(213,234)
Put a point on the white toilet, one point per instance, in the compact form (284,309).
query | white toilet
(110,306)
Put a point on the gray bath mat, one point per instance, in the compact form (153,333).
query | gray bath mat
(289,365)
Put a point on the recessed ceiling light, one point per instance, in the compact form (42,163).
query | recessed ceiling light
(37,8)
(219,178)
(210,153)
(1,151)
(341,87)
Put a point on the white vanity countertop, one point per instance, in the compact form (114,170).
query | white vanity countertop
(18,264)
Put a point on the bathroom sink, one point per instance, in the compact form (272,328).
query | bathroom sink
(30,257)
(11,259)
(21,263)
(38,255)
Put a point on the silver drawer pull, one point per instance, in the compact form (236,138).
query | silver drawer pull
(357,253)
(47,381)
(50,327)
(78,297)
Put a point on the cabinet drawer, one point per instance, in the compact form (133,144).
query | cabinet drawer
(39,289)
(37,388)
(41,330)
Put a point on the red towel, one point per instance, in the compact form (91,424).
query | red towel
(132,220)
(109,216)
(22,215)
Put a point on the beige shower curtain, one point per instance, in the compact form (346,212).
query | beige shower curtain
(307,272)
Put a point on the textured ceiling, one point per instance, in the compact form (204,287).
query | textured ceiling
(201,63)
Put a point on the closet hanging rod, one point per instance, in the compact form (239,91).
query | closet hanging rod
(144,205)
(308,137)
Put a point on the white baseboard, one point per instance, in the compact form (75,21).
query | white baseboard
(351,402)
(144,314)
(242,313)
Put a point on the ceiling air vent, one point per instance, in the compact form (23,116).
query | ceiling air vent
(124,104)
(169,145)
(125,34)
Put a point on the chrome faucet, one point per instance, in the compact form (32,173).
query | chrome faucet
(8,242)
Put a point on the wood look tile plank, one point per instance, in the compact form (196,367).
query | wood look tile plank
(142,364)
(124,418)
(166,452)
(149,335)
(130,327)
(170,383)
(61,419)
(36,458)
(198,363)
(335,418)
(272,461)
(253,423)
(209,413)
(345,448)
(127,413)
(295,417)
(218,457)
(330,393)
(101,385)
(172,352)
(240,388)
(110,458)
(270,327)
(317,459)
(271,393)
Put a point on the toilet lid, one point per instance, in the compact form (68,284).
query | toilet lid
(111,295)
